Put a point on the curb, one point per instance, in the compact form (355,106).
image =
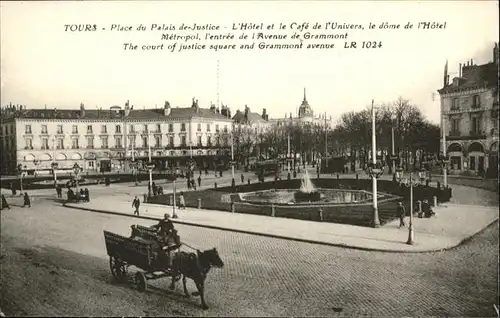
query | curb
(466,239)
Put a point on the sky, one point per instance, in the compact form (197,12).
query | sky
(41,64)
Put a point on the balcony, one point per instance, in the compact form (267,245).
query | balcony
(104,147)
(28,148)
(60,147)
(90,147)
(75,147)
(473,135)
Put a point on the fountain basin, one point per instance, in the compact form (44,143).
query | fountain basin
(300,196)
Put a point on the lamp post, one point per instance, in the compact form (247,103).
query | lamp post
(445,171)
(374,170)
(444,161)
(76,171)
(172,177)
(150,165)
(36,163)
(232,157)
(411,183)
(393,153)
(54,166)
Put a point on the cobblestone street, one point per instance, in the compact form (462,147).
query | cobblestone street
(61,268)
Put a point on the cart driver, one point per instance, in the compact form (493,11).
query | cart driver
(168,235)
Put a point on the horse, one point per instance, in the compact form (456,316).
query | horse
(195,266)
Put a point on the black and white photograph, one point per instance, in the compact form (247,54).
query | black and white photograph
(249,158)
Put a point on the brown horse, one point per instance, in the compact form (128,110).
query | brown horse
(195,266)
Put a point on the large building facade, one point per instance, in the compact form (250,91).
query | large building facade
(109,140)
(469,115)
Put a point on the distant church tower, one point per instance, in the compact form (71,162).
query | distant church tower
(305,111)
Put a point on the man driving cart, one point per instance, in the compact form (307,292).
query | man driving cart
(167,236)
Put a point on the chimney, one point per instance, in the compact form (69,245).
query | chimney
(264,114)
(471,62)
(217,110)
(460,70)
(127,108)
(212,107)
(166,109)
(82,110)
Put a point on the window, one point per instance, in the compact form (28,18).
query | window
(145,128)
(183,127)
(60,143)
(89,129)
(104,142)
(199,127)
(118,129)
(183,141)
(59,129)
(27,129)
(75,129)
(455,127)
(158,141)
(131,141)
(132,128)
(217,128)
(171,141)
(199,141)
(476,126)
(74,143)
(476,102)
(225,128)
(454,105)
(118,142)
(170,127)
(208,127)
(209,141)
(45,143)
(29,143)
(158,128)
(104,129)
(44,129)
(90,142)
(144,142)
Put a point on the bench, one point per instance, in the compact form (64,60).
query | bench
(144,232)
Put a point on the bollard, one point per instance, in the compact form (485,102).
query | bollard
(435,201)
(439,185)
(338,176)
(232,207)
(171,200)
(357,176)
(215,185)
(419,205)
(248,180)
(320,214)
(273,211)
(288,177)
(145,200)
(199,203)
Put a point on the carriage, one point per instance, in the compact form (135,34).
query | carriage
(145,250)
(142,250)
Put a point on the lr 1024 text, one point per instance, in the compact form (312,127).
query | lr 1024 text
(363,45)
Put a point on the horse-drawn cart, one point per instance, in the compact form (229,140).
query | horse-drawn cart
(144,254)
(146,251)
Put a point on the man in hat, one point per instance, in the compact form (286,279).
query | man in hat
(168,236)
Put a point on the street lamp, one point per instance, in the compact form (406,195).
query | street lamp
(76,171)
(374,170)
(172,177)
(411,183)
(150,165)
(232,157)
(444,161)
(393,153)
(54,166)
(36,163)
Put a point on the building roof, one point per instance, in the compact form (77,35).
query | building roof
(114,113)
(305,109)
(474,76)
(248,118)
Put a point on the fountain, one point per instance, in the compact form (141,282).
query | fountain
(307,191)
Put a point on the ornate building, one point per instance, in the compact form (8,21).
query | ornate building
(108,140)
(469,116)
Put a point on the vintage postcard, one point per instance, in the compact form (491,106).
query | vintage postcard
(249,158)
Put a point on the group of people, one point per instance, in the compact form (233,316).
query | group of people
(83,195)
(426,211)
(26,198)
(157,190)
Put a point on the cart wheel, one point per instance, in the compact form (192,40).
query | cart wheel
(140,281)
(118,268)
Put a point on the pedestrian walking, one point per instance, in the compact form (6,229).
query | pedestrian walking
(5,204)
(242,178)
(13,188)
(199,181)
(401,212)
(136,204)
(59,191)
(182,202)
(87,195)
(27,201)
